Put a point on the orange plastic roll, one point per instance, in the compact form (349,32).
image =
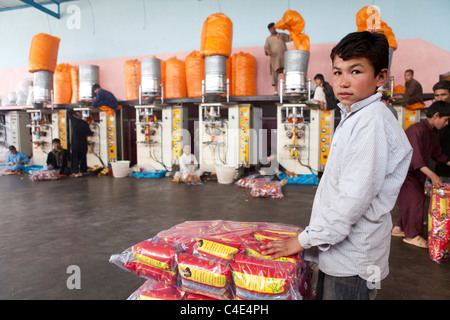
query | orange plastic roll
(62,84)
(43,53)
(195,73)
(293,22)
(75,79)
(175,82)
(368,19)
(217,35)
(243,74)
(132,70)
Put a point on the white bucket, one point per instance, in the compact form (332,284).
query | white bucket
(225,174)
(120,168)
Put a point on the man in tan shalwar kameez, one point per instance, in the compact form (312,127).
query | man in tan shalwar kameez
(275,47)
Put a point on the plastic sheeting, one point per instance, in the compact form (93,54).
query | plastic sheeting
(293,22)
(368,19)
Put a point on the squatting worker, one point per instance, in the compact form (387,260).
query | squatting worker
(16,160)
(104,100)
(349,233)
(275,47)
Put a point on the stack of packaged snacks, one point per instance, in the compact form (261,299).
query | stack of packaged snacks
(267,189)
(439,224)
(249,181)
(203,260)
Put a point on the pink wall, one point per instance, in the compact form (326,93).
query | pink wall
(427,60)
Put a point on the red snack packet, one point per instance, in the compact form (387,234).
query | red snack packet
(150,259)
(259,281)
(203,276)
(213,248)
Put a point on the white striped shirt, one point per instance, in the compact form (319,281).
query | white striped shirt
(350,225)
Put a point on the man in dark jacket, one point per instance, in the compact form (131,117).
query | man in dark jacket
(58,158)
(104,98)
(79,145)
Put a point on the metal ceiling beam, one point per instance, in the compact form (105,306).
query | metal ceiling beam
(42,8)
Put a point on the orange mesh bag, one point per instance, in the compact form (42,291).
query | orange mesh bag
(132,69)
(62,84)
(243,74)
(217,35)
(293,22)
(195,73)
(175,82)
(43,53)
(75,79)
(368,19)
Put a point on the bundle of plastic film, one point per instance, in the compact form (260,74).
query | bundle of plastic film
(293,22)
(44,175)
(217,259)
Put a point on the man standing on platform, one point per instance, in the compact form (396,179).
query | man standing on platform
(275,47)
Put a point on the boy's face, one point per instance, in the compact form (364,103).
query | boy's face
(354,80)
(439,122)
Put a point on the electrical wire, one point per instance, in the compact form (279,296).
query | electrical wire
(309,152)
(93,18)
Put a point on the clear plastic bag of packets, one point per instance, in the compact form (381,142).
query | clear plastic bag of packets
(217,260)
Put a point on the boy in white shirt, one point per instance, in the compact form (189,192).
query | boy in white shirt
(349,233)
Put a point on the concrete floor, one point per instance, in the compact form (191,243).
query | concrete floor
(45,227)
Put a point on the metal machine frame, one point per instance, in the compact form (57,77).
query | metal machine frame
(160,141)
(231,140)
(106,145)
(303,137)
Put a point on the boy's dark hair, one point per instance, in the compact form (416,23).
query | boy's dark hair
(442,107)
(443,85)
(319,76)
(410,71)
(11,148)
(371,45)
(95,87)
(56,140)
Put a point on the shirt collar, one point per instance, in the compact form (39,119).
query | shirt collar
(359,105)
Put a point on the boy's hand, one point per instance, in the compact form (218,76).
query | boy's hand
(282,248)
